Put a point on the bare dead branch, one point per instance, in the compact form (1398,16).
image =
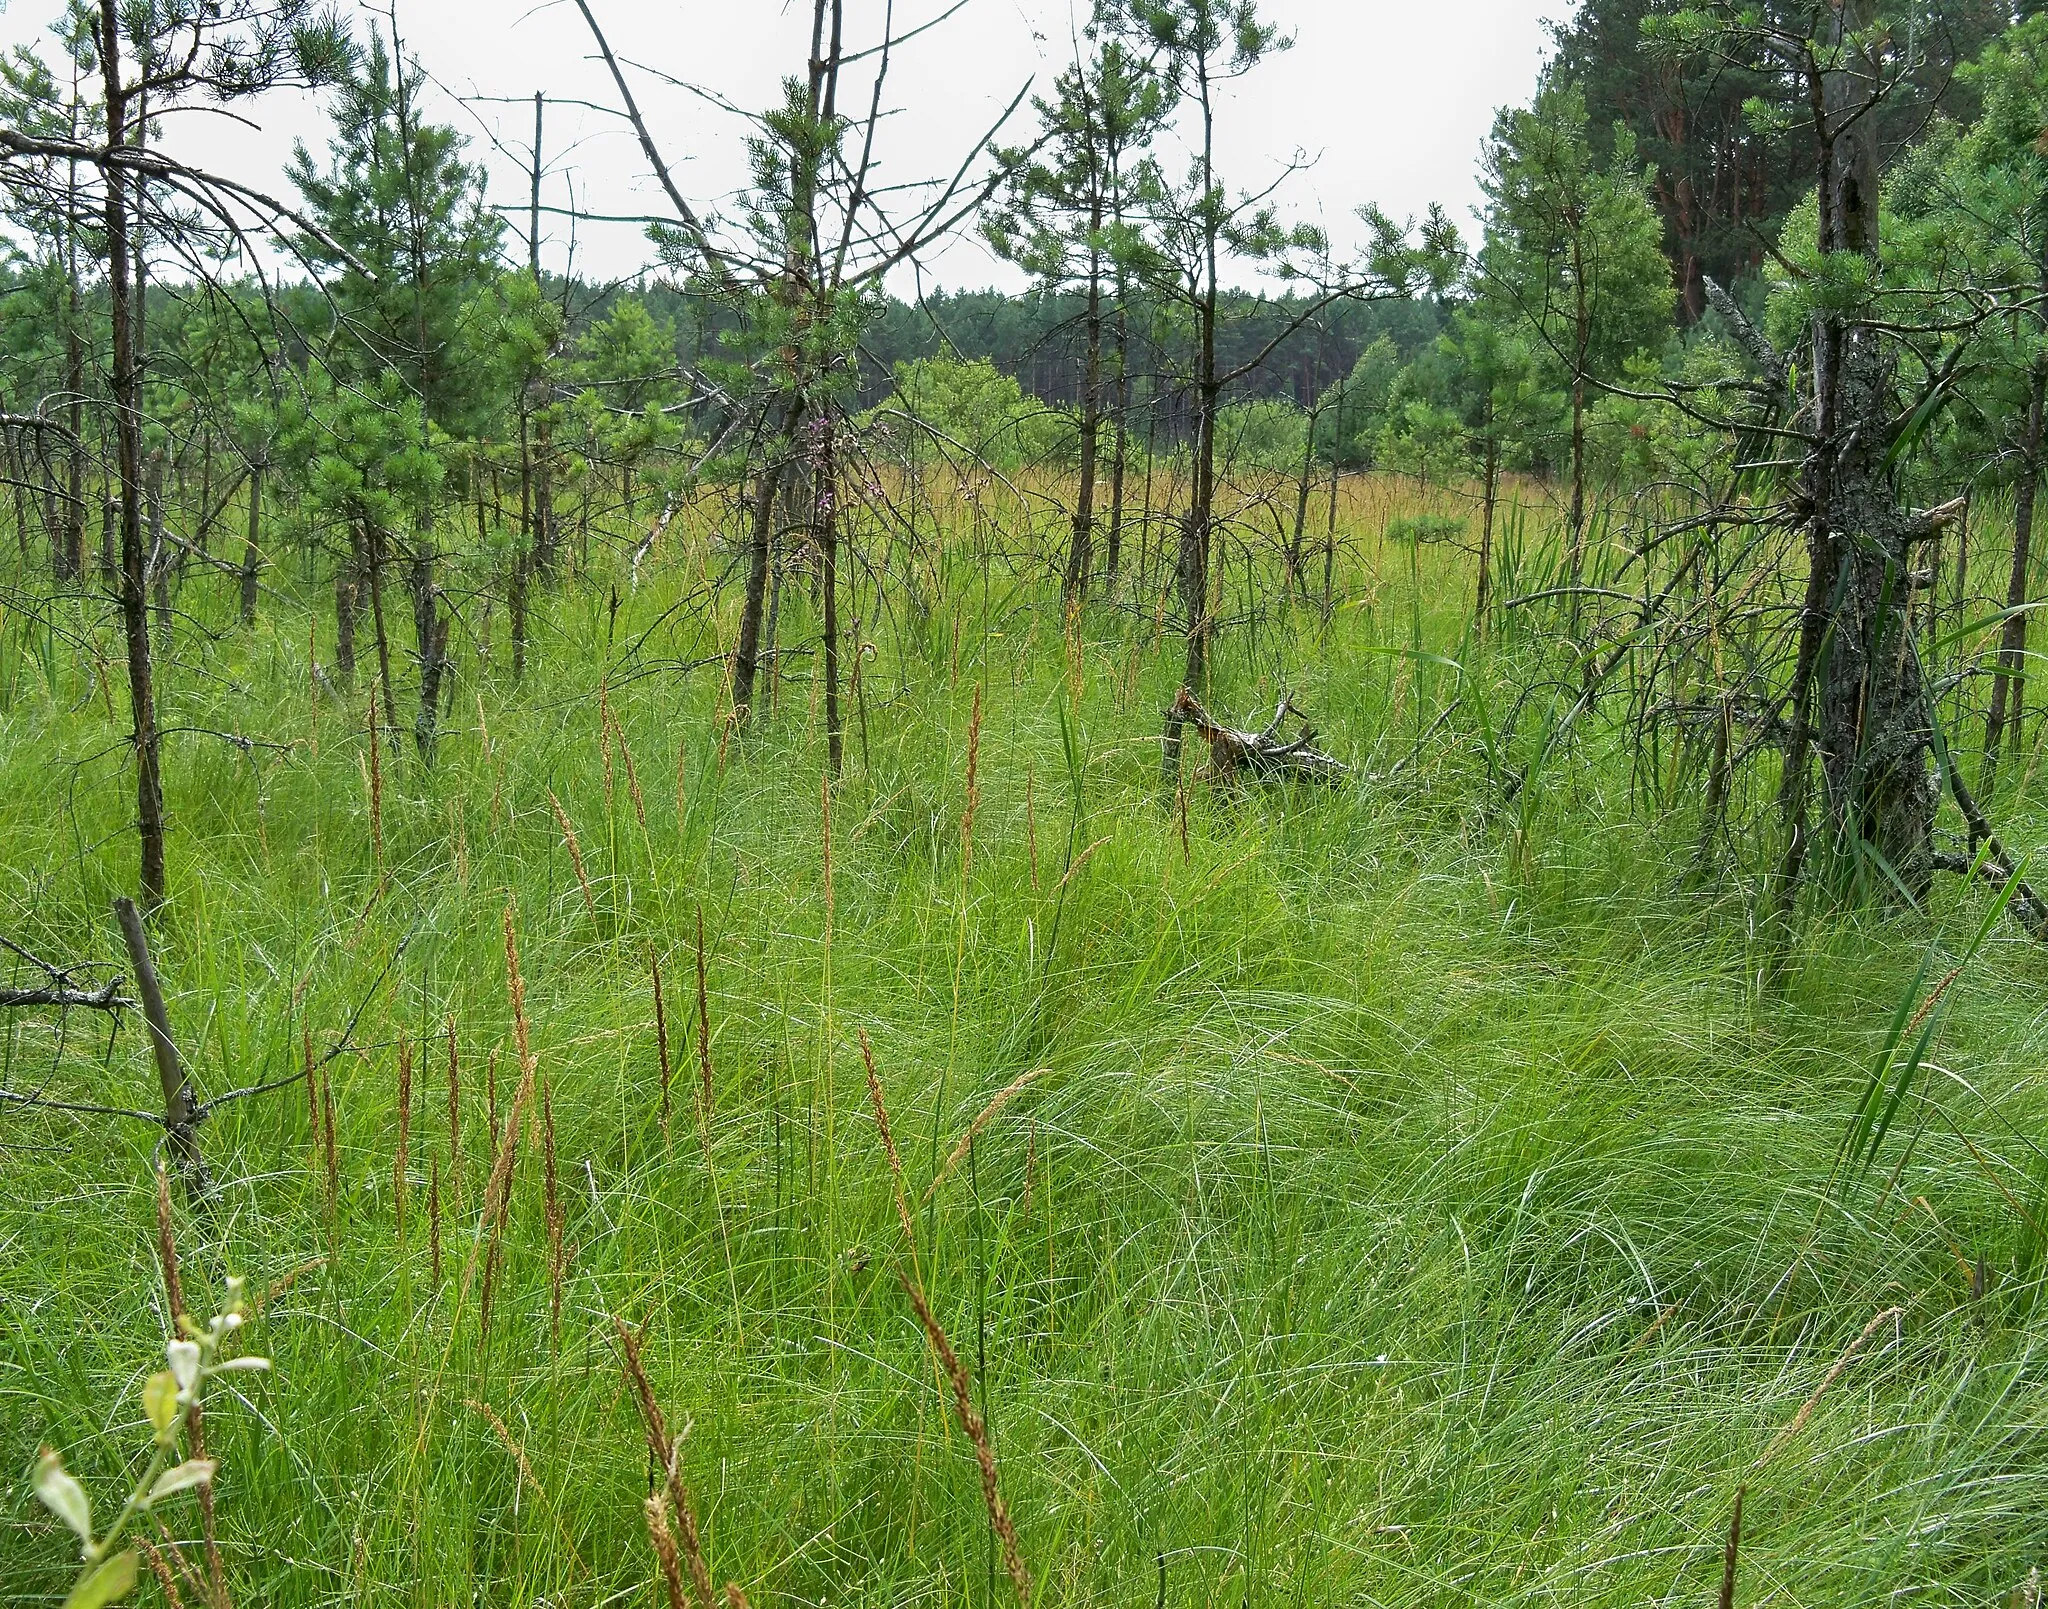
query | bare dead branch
(179,1106)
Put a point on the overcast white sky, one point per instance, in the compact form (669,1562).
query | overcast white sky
(1388,100)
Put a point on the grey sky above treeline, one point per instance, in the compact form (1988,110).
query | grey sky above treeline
(1387,101)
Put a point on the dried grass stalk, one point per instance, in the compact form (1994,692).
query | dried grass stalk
(867,1055)
(664,1541)
(667,1454)
(632,774)
(575,855)
(986,1116)
(1806,1408)
(1728,1558)
(162,1572)
(524,1465)
(977,1432)
(498,1191)
(604,742)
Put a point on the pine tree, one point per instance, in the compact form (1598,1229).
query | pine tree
(630,379)
(1064,221)
(1726,139)
(408,239)
(1572,252)
(416,239)
(1203,45)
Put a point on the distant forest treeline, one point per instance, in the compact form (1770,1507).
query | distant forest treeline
(1728,165)
(1034,337)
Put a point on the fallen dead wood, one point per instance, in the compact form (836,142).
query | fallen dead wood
(60,987)
(107,997)
(1997,866)
(1234,753)
(646,543)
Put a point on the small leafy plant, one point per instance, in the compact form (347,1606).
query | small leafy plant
(107,1572)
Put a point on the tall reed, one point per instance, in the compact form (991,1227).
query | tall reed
(551,1206)
(660,1035)
(703,1030)
(454,1113)
(401,1157)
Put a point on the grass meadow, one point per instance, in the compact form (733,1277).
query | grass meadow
(1365,1197)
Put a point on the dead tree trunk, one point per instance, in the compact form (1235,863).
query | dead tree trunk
(430,631)
(374,546)
(127,399)
(746,662)
(1582,338)
(1489,505)
(14,466)
(826,497)
(515,606)
(545,534)
(348,605)
(524,560)
(1197,531)
(1081,550)
(1119,464)
(181,1115)
(1874,721)
(252,548)
(159,555)
(1857,696)
(1303,487)
(2008,682)
(1191,561)
(71,556)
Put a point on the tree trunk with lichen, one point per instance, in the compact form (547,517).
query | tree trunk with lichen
(1872,722)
